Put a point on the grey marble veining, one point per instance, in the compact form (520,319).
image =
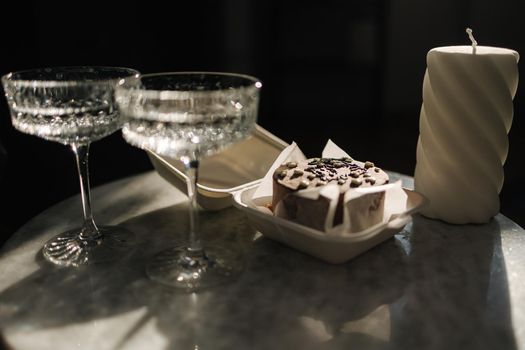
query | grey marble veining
(434,286)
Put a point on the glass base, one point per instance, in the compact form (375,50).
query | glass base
(68,249)
(179,267)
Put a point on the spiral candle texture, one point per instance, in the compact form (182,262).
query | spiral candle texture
(466,115)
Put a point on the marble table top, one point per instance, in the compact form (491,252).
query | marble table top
(433,286)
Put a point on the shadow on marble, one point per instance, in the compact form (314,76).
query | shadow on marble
(283,300)
(53,296)
(275,303)
(458,296)
(429,287)
(112,203)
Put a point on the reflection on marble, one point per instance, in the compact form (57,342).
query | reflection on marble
(434,286)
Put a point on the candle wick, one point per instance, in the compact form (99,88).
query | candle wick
(474,42)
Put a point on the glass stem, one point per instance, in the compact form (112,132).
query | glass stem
(89,229)
(192,172)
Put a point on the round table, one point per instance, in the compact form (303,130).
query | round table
(434,286)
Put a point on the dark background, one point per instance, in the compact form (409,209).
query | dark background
(348,70)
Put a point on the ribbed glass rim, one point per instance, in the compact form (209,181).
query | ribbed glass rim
(254,84)
(44,83)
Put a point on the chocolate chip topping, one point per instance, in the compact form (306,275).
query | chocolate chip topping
(297,173)
(282,174)
(320,171)
(370,180)
(355,183)
(304,184)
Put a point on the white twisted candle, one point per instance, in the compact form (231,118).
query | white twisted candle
(465,118)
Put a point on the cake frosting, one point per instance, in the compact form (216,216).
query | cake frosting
(292,177)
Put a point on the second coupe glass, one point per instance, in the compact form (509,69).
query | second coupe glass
(187,116)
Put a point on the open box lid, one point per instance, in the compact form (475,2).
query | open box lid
(237,167)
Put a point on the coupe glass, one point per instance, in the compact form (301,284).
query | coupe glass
(73,106)
(187,116)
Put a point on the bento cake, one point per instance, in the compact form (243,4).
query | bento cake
(347,173)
